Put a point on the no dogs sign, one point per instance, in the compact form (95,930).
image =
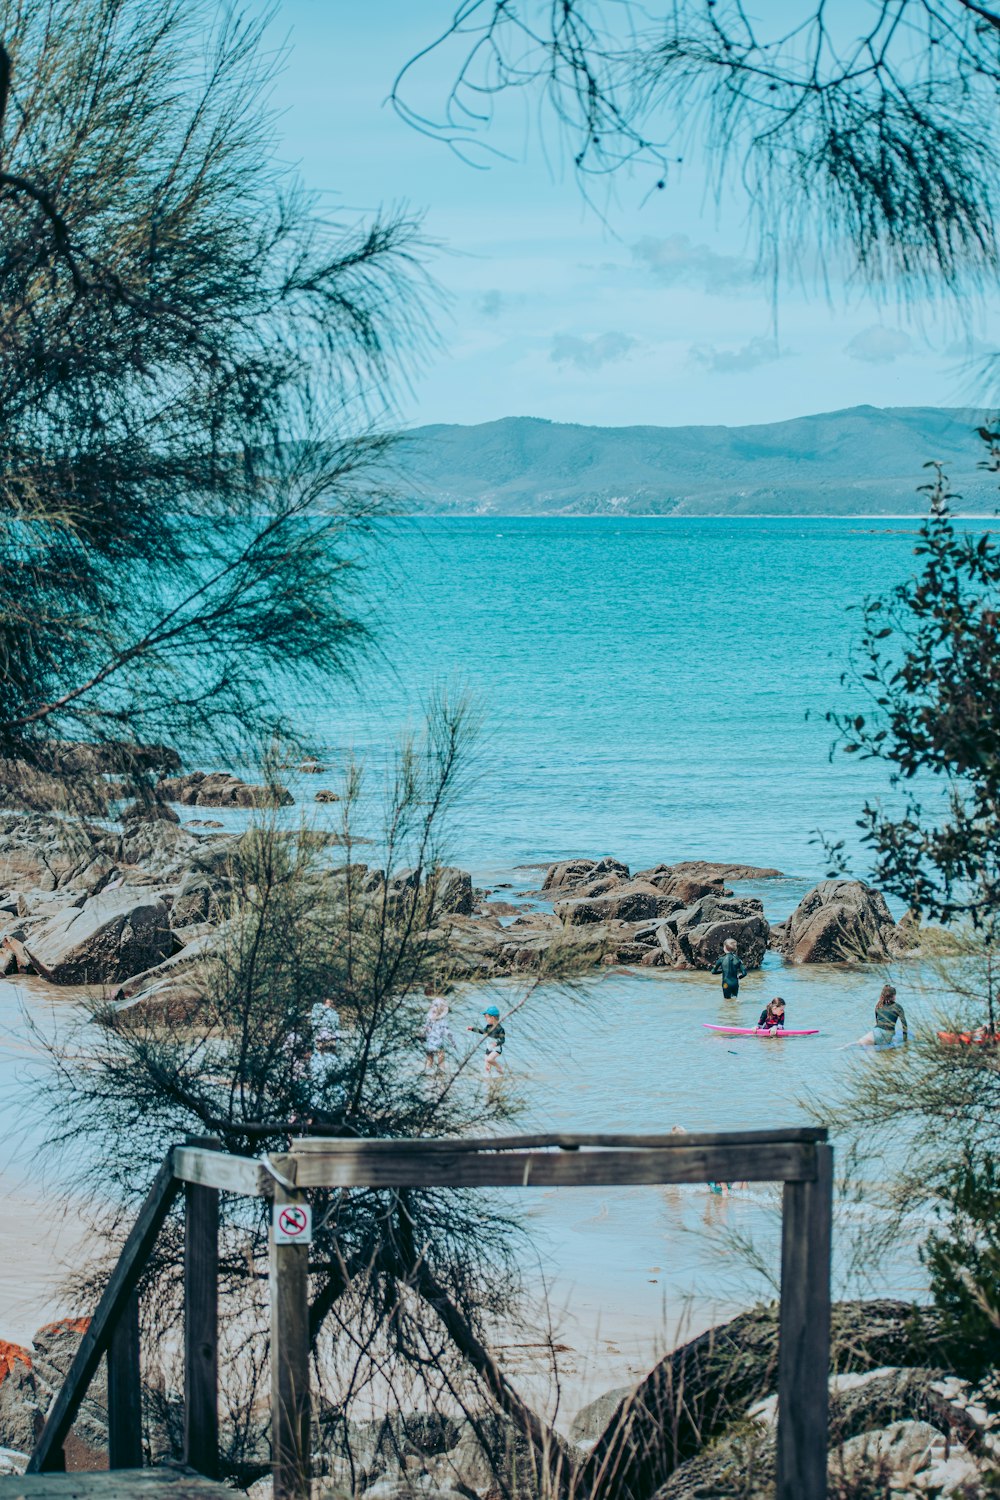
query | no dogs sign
(293,1224)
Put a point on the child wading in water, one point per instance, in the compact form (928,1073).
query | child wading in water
(772,1017)
(437,1033)
(496,1035)
(731,968)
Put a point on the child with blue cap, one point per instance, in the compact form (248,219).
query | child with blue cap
(496,1038)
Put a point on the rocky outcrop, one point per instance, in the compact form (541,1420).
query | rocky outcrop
(162,853)
(110,758)
(29,1379)
(482,948)
(26,786)
(628,901)
(149,810)
(41,851)
(452,890)
(198,898)
(697,1391)
(221,789)
(20,1416)
(715,870)
(570,873)
(693,937)
(890,1429)
(597,1416)
(684,888)
(102,940)
(171,991)
(841,921)
(491,1457)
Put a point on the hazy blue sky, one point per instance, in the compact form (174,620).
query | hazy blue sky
(651,316)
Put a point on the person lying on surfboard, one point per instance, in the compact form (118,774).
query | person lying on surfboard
(772,1017)
(731,968)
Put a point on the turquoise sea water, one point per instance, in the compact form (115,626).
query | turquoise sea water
(653,689)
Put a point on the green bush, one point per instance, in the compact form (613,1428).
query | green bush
(963,1259)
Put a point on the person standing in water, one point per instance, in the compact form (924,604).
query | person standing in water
(887,1012)
(730,966)
(437,1033)
(496,1036)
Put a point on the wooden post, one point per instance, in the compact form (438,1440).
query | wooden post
(290,1407)
(48,1455)
(804,1348)
(201,1323)
(125,1391)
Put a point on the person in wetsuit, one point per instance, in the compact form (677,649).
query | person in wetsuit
(772,1017)
(730,966)
(888,1011)
(496,1038)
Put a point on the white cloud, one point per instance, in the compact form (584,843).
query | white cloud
(759,351)
(591,354)
(971,348)
(678,261)
(879,346)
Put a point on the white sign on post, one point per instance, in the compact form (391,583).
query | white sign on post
(293,1224)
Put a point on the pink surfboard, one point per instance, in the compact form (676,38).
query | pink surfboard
(758,1031)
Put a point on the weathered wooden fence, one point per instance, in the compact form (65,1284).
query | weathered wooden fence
(801,1159)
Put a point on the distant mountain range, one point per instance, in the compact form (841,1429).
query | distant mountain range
(867,460)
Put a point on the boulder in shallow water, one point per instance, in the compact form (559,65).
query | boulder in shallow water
(108,938)
(567,873)
(633,901)
(152,811)
(694,936)
(221,789)
(841,921)
(684,888)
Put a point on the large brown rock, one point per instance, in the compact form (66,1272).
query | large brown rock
(841,921)
(54,1349)
(453,890)
(121,757)
(633,901)
(693,936)
(158,852)
(42,851)
(106,939)
(695,1392)
(221,789)
(713,870)
(567,873)
(149,810)
(571,873)
(20,1414)
(684,888)
(38,790)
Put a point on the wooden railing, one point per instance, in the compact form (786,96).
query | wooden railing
(801,1159)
